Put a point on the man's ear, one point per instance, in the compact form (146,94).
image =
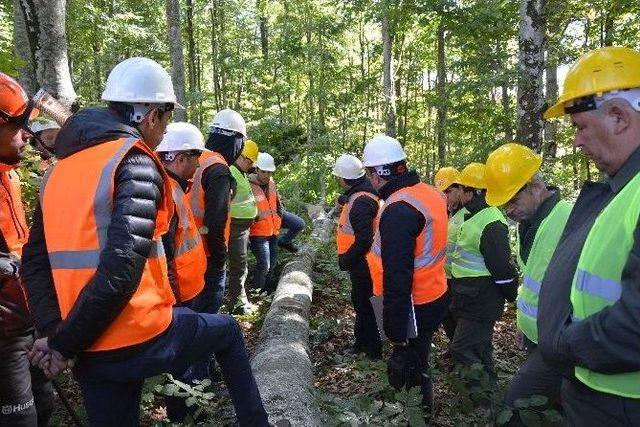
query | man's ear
(620,117)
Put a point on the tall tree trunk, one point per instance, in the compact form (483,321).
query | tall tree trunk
(21,42)
(264,31)
(551,127)
(44,21)
(441,93)
(217,95)
(191,48)
(177,58)
(531,65)
(389,88)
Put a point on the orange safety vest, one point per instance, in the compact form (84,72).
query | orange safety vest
(345,236)
(77,201)
(190,259)
(196,195)
(269,221)
(13,225)
(429,279)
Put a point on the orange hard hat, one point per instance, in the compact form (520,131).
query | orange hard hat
(15,106)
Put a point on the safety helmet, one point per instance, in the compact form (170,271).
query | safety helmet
(265,162)
(445,177)
(140,80)
(472,176)
(229,120)
(181,136)
(250,150)
(40,125)
(508,169)
(382,150)
(597,72)
(348,167)
(14,102)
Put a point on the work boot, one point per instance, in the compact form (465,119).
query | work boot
(289,246)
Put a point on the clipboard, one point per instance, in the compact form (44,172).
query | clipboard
(377,303)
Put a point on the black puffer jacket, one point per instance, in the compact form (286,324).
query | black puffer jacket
(14,315)
(137,194)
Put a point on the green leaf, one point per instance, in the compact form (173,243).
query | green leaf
(537,400)
(530,418)
(552,416)
(504,416)
(190,401)
(415,418)
(522,403)
(170,390)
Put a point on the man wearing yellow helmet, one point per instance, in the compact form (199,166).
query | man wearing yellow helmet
(513,182)
(243,211)
(482,272)
(589,305)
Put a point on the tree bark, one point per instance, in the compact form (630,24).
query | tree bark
(441,94)
(21,42)
(264,30)
(389,87)
(551,127)
(217,95)
(44,22)
(177,57)
(191,48)
(531,66)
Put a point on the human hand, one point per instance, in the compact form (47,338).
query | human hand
(47,359)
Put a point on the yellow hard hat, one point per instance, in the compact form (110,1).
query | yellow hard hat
(508,169)
(250,150)
(472,176)
(445,177)
(596,72)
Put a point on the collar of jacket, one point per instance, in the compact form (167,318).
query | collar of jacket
(546,206)
(396,183)
(185,184)
(476,204)
(629,169)
(363,185)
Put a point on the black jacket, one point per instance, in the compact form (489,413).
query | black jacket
(482,298)
(606,342)
(528,229)
(137,194)
(362,215)
(14,314)
(400,226)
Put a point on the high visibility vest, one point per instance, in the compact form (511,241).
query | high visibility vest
(467,260)
(190,259)
(77,201)
(13,225)
(345,237)
(269,221)
(544,244)
(196,195)
(454,223)
(597,282)
(429,280)
(243,204)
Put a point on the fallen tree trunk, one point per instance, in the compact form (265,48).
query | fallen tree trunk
(282,363)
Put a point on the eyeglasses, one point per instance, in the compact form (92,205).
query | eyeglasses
(193,153)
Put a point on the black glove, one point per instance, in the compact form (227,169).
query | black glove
(403,368)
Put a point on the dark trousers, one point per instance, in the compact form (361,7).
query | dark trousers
(265,249)
(584,406)
(26,396)
(449,322)
(294,225)
(428,319)
(534,377)
(112,389)
(209,300)
(472,344)
(365,329)
(238,245)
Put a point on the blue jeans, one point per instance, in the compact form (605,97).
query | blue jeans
(294,225)
(209,300)
(112,387)
(265,249)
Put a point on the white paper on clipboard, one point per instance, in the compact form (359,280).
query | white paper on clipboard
(377,302)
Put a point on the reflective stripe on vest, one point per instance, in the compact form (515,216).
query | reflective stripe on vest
(190,259)
(196,195)
(429,280)
(597,283)
(454,223)
(467,259)
(243,204)
(76,228)
(345,236)
(542,249)
(269,222)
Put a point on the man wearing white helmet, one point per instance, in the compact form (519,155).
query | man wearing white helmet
(353,239)
(95,269)
(408,262)
(45,132)
(210,200)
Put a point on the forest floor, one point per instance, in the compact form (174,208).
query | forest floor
(351,390)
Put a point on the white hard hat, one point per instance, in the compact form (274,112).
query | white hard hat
(181,136)
(265,162)
(382,150)
(42,125)
(140,80)
(348,167)
(230,120)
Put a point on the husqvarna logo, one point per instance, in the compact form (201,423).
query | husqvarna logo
(10,409)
